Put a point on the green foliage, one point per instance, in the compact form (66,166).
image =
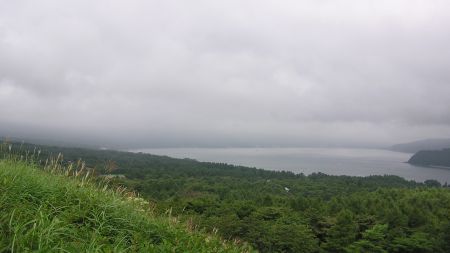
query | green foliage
(47,212)
(417,242)
(342,232)
(373,240)
(319,213)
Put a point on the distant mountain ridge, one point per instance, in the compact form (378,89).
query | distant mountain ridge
(421,145)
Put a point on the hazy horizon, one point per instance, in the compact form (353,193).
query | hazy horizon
(142,74)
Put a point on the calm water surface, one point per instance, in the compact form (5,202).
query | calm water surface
(332,161)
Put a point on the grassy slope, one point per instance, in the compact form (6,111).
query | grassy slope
(44,212)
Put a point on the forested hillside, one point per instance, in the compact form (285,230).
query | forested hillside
(439,158)
(283,211)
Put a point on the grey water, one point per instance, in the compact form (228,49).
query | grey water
(331,161)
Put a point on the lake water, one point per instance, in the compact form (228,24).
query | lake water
(332,161)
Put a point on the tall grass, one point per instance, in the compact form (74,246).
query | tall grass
(61,208)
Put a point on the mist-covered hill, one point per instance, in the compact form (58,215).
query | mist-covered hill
(416,146)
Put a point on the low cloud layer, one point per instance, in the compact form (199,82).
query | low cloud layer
(232,73)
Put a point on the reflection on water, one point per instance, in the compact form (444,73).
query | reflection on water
(332,161)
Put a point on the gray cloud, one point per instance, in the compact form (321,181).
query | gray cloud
(207,73)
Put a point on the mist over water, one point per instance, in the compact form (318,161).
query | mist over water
(332,161)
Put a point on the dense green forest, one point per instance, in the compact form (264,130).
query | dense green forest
(281,211)
(432,158)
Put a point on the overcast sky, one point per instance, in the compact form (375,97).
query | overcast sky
(225,73)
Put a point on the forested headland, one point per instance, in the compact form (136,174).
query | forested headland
(436,158)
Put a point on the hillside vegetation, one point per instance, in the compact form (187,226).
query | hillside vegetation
(316,213)
(47,211)
(283,211)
